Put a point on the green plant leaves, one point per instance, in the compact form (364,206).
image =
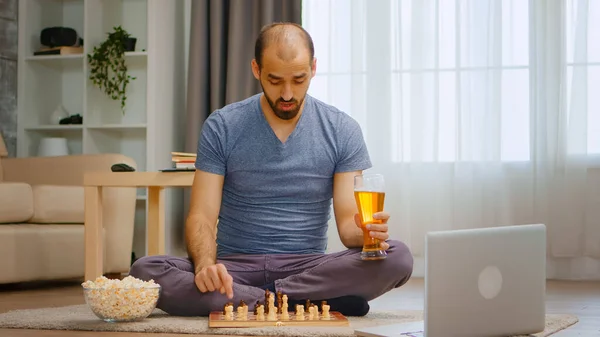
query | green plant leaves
(108,70)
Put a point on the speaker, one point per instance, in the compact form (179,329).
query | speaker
(60,37)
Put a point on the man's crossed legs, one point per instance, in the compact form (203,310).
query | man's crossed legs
(341,278)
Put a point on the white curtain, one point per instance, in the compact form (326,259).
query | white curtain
(479,113)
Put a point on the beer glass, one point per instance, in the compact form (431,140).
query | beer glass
(369,193)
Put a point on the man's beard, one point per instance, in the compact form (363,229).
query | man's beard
(283,114)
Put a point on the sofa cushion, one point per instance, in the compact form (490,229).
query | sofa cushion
(16,202)
(58,204)
(33,252)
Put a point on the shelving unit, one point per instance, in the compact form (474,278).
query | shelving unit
(148,129)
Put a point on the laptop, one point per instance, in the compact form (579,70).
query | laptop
(480,282)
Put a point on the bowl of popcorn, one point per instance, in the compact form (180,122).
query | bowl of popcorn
(126,300)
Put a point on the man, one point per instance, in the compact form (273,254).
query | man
(268,168)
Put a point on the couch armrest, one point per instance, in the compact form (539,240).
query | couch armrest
(119,203)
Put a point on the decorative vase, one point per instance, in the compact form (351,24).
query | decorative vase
(129,43)
(53,146)
(58,114)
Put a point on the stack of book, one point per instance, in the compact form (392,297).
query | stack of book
(183,161)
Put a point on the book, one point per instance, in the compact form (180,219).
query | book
(59,51)
(185,165)
(183,160)
(182,154)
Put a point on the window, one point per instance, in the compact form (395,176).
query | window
(451,79)
(583,69)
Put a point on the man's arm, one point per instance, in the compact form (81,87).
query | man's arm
(201,223)
(344,207)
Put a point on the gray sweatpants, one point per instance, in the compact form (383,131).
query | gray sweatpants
(305,276)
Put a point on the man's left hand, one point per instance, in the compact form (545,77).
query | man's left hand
(377,231)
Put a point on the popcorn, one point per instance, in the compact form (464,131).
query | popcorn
(121,300)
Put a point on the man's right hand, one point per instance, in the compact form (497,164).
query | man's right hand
(215,277)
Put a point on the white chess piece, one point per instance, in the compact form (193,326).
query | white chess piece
(229,312)
(299,312)
(272,315)
(240,313)
(326,311)
(284,308)
(260,313)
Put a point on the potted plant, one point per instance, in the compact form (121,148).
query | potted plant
(108,70)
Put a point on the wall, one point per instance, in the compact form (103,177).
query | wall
(8,74)
(174,197)
(175,218)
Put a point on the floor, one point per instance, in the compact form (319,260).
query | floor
(579,298)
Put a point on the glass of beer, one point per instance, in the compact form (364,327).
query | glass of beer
(369,193)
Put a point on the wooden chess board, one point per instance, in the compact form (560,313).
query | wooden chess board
(218,320)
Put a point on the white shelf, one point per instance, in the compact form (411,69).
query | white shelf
(63,127)
(74,138)
(154,99)
(149,128)
(136,54)
(118,127)
(51,58)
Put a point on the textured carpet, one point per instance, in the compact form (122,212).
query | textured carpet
(79,317)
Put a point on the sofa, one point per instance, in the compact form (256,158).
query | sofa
(42,217)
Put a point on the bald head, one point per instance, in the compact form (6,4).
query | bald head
(288,39)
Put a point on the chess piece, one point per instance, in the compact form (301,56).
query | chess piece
(225,307)
(271,302)
(228,312)
(325,309)
(260,313)
(240,312)
(256,307)
(279,301)
(284,308)
(267,295)
(311,312)
(272,313)
(316,311)
(299,312)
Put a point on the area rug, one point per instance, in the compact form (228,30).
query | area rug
(79,317)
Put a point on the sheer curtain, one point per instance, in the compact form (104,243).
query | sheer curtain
(479,113)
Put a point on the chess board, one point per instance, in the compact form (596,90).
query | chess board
(217,320)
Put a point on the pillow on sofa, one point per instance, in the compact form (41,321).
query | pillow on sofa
(16,202)
(58,204)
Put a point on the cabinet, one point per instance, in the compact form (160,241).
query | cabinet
(149,128)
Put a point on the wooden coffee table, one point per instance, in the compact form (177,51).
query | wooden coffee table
(155,182)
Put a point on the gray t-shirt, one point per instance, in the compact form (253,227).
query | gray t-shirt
(277,196)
